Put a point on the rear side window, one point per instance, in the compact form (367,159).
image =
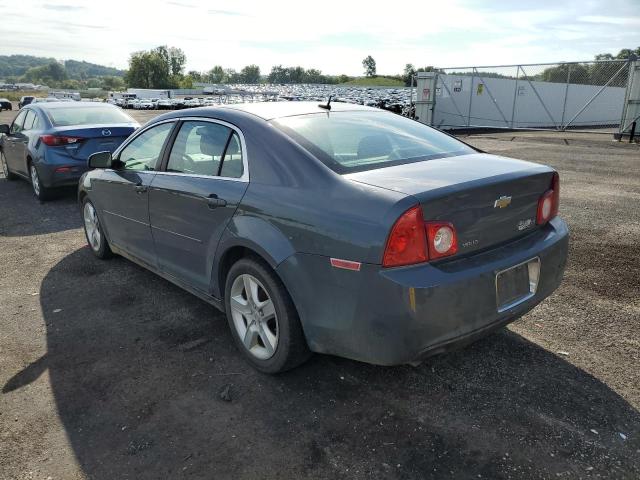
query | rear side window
(81,115)
(144,151)
(233,166)
(206,148)
(199,148)
(28,120)
(355,141)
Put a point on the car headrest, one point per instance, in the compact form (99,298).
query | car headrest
(212,140)
(374,146)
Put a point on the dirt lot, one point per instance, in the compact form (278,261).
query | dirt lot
(109,372)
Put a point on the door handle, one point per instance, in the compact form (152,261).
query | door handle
(214,202)
(141,188)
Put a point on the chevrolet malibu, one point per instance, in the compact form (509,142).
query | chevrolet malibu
(48,143)
(337,229)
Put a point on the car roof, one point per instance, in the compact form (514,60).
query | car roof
(272,110)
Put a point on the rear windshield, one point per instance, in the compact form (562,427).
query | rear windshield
(75,115)
(356,141)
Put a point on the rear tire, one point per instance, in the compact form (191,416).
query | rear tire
(41,192)
(265,325)
(93,231)
(8,174)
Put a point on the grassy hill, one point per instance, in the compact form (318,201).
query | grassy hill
(17,65)
(375,82)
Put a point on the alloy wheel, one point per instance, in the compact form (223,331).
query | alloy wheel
(35,180)
(92,226)
(254,316)
(5,168)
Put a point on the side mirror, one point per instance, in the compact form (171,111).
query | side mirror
(4,128)
(100,160)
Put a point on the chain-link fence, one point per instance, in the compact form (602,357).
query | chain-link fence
(559,96)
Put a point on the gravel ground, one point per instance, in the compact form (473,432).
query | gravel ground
(109,372)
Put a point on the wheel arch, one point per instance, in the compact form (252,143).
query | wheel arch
(248,236)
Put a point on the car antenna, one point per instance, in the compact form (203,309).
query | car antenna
(328,105)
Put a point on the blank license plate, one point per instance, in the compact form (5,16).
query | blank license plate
(517,284)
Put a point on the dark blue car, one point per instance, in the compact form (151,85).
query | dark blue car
(48,143)
(351,231)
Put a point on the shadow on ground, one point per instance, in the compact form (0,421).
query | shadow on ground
(137,365)
(21,214)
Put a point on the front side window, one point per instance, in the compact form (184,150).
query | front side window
(205,148)
(16,126)
(144,151)
(355,141)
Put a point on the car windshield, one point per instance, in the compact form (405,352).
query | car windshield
(99,114)
(356,141)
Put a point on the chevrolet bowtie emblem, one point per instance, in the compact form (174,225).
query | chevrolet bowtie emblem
(502,202)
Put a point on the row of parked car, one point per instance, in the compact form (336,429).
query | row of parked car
(163,103)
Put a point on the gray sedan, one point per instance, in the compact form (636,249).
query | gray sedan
(344,230)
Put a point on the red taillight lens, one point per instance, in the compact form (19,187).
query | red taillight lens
(555,186)
(549,202)
(56,140)
(442,239)
(407,242)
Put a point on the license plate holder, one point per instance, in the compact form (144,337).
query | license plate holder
(517,284)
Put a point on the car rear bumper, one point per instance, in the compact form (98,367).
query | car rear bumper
(401,315)
(61,175)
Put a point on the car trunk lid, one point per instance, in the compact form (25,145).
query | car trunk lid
(96,138)
(489,199)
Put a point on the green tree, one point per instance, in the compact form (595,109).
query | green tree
(113,83)
(344,78)
(250,74)
(296,74)
(409,72)
(231,76)
(70,84)
(216,75)
(160,67)
(278,74)
(52,73)
(195,76)
(369,65)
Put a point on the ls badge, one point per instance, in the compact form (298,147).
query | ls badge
(524,224)
(502,202)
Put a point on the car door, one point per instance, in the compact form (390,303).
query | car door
(122,193)
(10,141)
(21,142)
(193,198)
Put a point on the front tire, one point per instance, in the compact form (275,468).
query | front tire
(263,319)
(41,192)
(93,232)
(8,174)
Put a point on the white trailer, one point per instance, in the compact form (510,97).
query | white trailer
(150,93)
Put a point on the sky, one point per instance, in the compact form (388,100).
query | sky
(331,35)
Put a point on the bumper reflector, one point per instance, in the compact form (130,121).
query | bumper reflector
(345,264)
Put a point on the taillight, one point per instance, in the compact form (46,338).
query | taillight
(407,242)
(441,239)
(57,140)
(549,202)
(412,240)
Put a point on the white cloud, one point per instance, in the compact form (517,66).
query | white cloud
(333,35)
